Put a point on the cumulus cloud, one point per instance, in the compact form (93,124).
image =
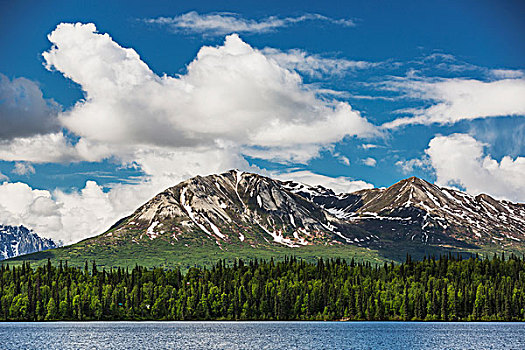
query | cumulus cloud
(55,148)
(286,155)
(341,184)
(167,167)
(230,94)
(62,216)
(22,205)
(459,159)
(23,109)
(227,23)
(454,100)
(38,149)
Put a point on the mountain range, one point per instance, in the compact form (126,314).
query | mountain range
(19,240)
(239,214)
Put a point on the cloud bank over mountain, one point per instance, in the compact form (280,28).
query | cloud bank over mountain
(233,101)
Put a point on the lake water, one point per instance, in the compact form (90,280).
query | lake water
(261,335)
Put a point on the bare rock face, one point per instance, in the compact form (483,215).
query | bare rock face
(18,240)
(244,208)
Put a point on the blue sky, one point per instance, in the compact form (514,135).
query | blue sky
(345,94)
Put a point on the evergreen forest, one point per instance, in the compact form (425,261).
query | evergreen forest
(444,289)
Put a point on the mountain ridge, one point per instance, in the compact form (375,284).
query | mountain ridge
(236,212)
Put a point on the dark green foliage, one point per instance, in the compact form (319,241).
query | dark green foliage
(445,289)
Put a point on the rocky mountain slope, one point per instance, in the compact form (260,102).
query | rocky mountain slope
(238,212)
(249,208)
(18,240)
(237,207)
(417,210)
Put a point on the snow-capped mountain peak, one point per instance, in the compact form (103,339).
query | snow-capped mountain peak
(19,240)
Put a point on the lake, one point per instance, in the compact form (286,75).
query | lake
(261,335)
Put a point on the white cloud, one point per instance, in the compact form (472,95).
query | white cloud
(507,73)
(367,146)
(230,94)
(461,159)
(41,148)
(170,167)
(22,168)
(64,216)
(370,98)
(3,178)
(21,205)
(315,65)
(339,184)
(227,23)
(54,148)
(457,99)
(72,216)
(408,166)
(370,162)
(444,62)
(343,159)
(24,111)
(286,154)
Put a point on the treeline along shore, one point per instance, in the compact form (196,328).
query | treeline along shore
(444,289)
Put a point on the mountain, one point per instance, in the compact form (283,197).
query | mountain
(237,214)
(237,207)
(18,240)
(414,209)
